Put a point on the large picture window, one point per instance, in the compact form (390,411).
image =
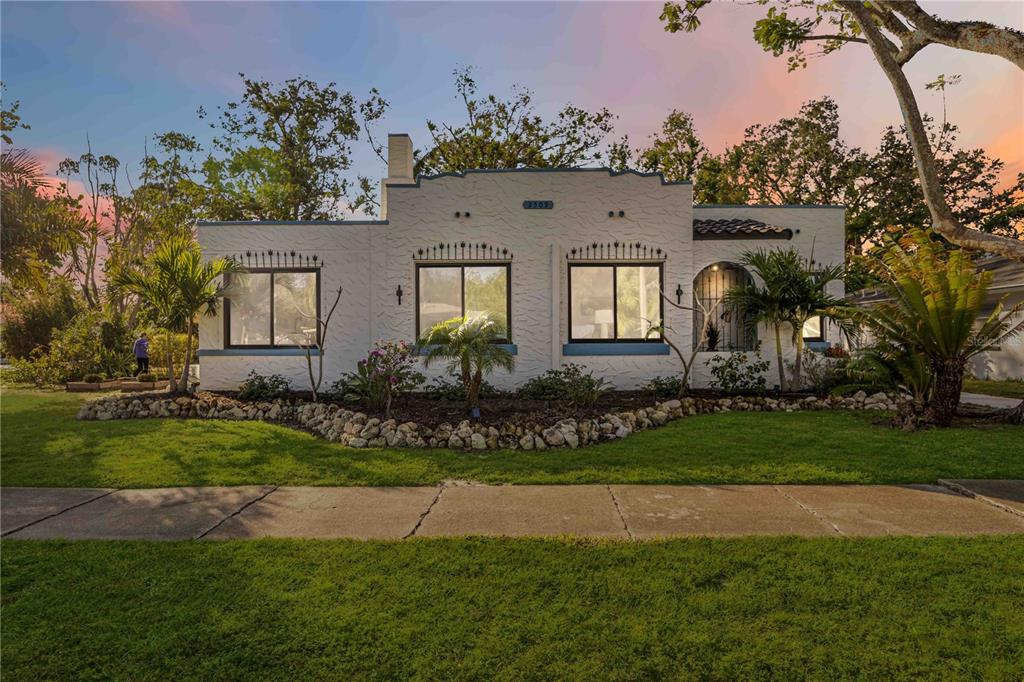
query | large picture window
(272,309)
(447,291)
(620,302)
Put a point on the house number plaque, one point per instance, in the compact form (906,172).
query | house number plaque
(538,204)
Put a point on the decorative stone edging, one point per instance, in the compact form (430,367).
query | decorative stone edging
(358,430)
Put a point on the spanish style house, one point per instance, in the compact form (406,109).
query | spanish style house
(576,263)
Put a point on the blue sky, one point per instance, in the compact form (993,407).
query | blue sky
(122,71)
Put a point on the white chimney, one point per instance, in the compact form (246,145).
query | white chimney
(400,167)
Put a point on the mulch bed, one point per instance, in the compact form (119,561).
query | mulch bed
(506,408)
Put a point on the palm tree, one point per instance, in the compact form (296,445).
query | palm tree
(790,292)
(937,297)
(178,287)
(470,345)
(808,298)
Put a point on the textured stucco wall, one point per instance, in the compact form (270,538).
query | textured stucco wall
(371,261)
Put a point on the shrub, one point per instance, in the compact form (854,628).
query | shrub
(92,342)
(146,377)
(736,374)
(821,372)
(386,373)
(93,378)
(259,387)
(31,318)
(663,387)
(569,383)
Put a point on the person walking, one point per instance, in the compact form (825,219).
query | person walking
(141,350)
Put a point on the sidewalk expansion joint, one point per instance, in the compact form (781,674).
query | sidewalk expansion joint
(807,509)
(419,521)
(58,513)
(235,513)
(967,492)
(618,510)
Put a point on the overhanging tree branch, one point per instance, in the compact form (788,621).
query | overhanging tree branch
(943,220)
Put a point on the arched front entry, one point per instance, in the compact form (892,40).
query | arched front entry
(726,331)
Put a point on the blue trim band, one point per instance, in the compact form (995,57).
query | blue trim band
(510,347)
(615,349)
(250,352)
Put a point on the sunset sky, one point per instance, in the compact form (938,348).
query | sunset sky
(120,72)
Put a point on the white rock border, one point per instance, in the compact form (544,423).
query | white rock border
(358,430)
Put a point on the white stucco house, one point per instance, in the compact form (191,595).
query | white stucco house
(572,259)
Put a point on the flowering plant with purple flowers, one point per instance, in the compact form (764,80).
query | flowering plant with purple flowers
(386,373)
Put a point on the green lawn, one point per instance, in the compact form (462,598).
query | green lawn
(766,608)
(43,445)
(1011,388)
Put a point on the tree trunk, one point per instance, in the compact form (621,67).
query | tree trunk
(943,220)
(798,366)
(778,358)
(172,382)
(949,380)
(183,386)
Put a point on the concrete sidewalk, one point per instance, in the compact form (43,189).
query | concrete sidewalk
(613,511)
(984,400)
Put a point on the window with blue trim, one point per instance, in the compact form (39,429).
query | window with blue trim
(444,292)
(272,309)
(615,302)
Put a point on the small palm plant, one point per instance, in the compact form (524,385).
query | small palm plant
(470,345)
(180,286)
(936,313)
(790,292)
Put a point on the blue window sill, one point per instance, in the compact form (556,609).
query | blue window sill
(510,347)
(615,349)
(250,352)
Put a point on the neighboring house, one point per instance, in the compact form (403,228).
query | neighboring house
(573,260)
(1007,360)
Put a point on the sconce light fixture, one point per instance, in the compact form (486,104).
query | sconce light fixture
(679,293)
(398,293)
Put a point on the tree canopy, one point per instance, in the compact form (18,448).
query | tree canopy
(895,32)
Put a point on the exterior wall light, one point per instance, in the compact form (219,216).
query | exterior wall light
(679,293)
(398,293)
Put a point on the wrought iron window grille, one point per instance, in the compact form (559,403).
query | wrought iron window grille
(461,251)
(617,250)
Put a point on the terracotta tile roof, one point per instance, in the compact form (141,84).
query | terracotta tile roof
(737,228)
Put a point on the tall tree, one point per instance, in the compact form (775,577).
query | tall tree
(508,133)
(895,32)
(676,151)
(286,150)
(10,119)
(36,232)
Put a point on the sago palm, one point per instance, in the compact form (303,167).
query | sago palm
(470,345)
(935,311)
(180,286)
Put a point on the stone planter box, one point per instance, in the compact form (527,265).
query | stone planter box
(85,386)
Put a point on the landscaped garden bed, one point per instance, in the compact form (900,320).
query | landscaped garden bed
(533,425)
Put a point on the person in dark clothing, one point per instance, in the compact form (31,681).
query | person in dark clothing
(141,350)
